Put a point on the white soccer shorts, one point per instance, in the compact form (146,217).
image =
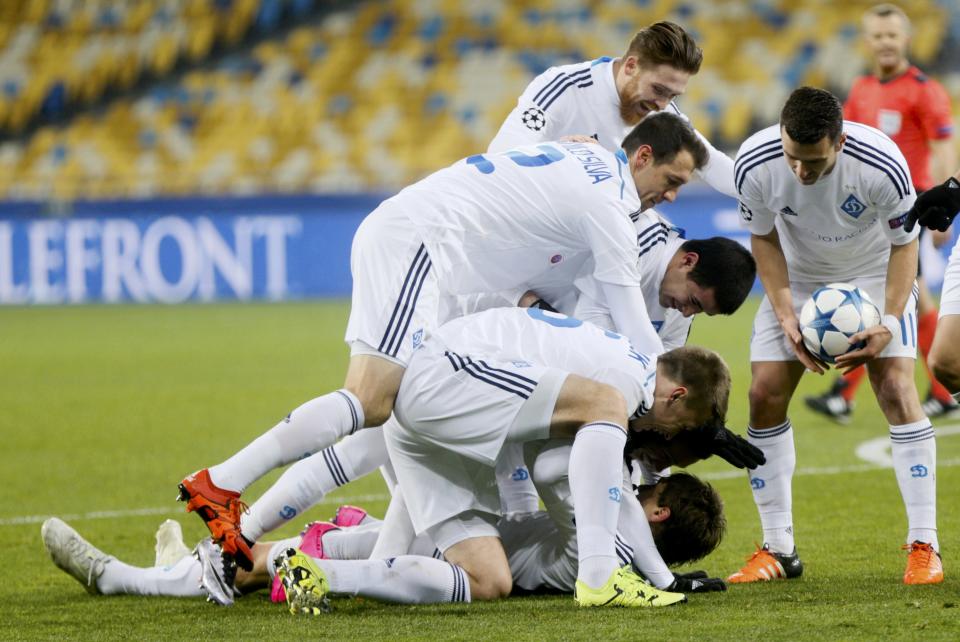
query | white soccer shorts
(395,299)
(769,343)
(950,294)
(451,418)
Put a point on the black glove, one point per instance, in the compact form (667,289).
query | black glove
(543,305)
(935,208)
(696,582)
(718,440)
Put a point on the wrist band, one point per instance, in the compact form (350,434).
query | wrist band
(891,323)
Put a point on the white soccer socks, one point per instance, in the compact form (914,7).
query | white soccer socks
(306,482)
(596,476)
(408,579)
(772,484)
(914,451)
(316,424)
(180,580)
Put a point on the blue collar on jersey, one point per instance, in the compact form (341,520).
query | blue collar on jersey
(621,161)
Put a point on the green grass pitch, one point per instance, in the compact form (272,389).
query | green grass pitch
(105,408)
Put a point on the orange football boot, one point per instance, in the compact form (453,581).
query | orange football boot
(924,565)
(765,565)
(220,509)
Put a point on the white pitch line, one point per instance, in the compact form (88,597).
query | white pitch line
(165,510)
(871,450)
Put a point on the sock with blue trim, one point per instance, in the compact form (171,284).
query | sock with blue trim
(408,579)
(772,484)
(307,482)
(914,451)
(319,423)
(596,477)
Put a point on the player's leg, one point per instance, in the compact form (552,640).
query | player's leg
(517,492)
(938,401)
(597,415)
(945,355)
(914,452)
(775,374)
(837,402)
(306,482)
(393,308)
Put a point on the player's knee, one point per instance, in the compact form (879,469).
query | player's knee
(492,584)
(946,368)
(376,399)
(765,397)
(895,389)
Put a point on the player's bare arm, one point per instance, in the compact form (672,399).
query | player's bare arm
(901,274)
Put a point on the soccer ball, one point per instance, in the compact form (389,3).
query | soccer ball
(833,314)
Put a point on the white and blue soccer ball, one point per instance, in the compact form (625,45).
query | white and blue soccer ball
(833,314)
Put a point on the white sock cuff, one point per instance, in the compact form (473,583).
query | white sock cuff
(356,409)
(770,436)
(276,549)
(461,585)
(912,432)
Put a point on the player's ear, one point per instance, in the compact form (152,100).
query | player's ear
(690,259)
(660,514)
(840,142)
(643,156)
(678,394)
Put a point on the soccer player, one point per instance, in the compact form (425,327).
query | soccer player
(605,98)
(485,224)
(523,375)
(826,200)
(678,277)
(936,210)
(914,110)
(685,515)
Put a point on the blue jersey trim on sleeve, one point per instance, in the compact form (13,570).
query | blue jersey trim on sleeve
(621,161)
(600,60)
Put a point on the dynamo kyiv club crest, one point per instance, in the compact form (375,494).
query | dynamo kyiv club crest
(853,206)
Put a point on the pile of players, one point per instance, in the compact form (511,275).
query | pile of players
(517,335)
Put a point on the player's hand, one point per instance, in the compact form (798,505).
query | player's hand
(579,138)
(936,208)
(723,442)
(791,328)
(877,337)
(696,582)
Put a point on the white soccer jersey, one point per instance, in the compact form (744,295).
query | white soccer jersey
(498,222)
(582,99)
(532,336)
(658,240)
(842,226)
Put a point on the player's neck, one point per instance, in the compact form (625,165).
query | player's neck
(886,73)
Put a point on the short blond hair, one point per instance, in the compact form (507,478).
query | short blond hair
(706,377)
(887,9)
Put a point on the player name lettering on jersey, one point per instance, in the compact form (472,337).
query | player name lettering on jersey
(593,165)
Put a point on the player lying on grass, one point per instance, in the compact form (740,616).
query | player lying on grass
(545,212)
(685,515)
(523,375)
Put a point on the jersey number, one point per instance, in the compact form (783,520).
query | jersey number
(549,155)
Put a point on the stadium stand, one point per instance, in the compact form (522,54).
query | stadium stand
(362,97)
